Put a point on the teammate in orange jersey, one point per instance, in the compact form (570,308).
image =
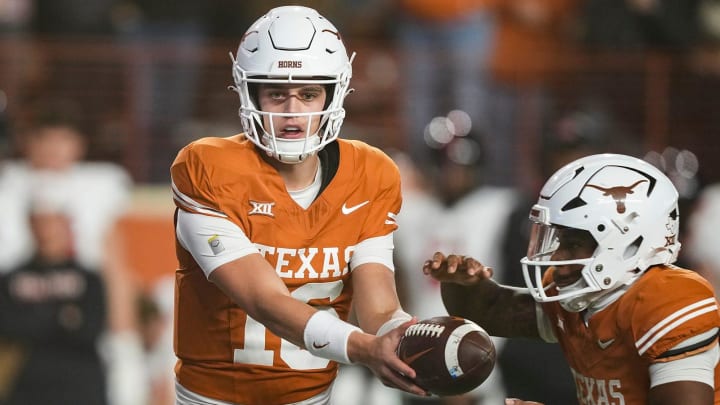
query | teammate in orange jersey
(600,281)
(281,228)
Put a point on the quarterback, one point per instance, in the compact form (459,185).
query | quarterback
(281,228)
(634,328)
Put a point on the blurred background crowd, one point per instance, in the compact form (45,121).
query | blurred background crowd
(476,100)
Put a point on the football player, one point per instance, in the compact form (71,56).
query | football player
(600,281)
(279,229)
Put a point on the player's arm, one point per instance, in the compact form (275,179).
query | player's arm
(686,380)
(682,392)
(375,298)
(378,312)
(469,291)
(240,271)
(252,284)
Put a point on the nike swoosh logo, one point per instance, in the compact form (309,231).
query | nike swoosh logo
(317,346)
(606,344)
(416,356)
(349,210)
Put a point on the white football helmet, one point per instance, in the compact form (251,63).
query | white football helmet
(292,44)
(627,205)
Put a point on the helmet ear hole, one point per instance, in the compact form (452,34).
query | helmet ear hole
(632,249)
(253,89)
(329,95)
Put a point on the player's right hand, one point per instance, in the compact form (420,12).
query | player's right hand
(456,269)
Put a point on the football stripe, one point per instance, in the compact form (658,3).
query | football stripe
(451,349)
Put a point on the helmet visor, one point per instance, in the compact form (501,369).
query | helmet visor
(544,241)
(559,246)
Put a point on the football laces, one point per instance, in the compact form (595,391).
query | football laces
(425,329)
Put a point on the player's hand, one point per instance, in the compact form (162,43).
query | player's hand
(456,269)
(382,359)
(515,401)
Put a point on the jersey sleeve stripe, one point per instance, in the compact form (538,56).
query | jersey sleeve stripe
(670,318)
(391,219)
(690,348)
(673,321)
(192,205)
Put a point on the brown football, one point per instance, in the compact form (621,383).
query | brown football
(450,355)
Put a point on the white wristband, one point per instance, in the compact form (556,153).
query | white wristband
(326,336)
(398,318)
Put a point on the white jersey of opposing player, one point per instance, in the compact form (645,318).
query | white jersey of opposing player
(95,195)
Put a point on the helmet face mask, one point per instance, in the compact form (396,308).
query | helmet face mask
(628,207)
(292,45)
(550,247)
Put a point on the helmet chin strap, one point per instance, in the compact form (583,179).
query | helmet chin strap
(593,301)
(576,303)
(293,151)
(290,159)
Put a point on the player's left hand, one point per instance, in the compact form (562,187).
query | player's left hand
(384,362)
(456,269)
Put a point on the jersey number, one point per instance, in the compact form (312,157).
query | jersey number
(255,352)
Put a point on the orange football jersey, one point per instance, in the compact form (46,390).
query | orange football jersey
(610,355)
(222,352)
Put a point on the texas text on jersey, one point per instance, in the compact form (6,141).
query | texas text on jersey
(311,250)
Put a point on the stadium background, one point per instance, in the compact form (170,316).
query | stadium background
(151,76)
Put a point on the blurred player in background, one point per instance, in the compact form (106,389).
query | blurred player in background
(95,194)
(600,281)
(281,228)
(52,314)
(441,214)
(703,228)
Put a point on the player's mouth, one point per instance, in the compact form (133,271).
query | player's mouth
(292,132)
